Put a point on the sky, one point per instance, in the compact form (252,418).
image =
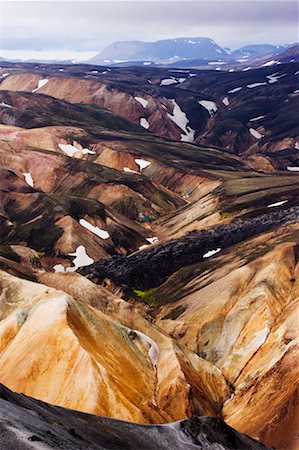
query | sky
(80,29)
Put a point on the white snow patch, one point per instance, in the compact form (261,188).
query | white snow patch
(256,118)
(60,70)
(127,169)
(181,80)
(231,70)
(142,101)
(192,75)
(271,63)
(142,163)
(211,252)
(146,63)
(40,84)
(181,120)
(253,85)
(210,106)
(225,101)
(152,240)
(216,63)
(153,351)
(28,179)
(81,259)
(144,123)
(277,204)
(274,77)
(86,151)
(255,133)
(5,105)
(143,247)
(69,149)
(168,82)
(94,71)
(296,73)
(237,89)
(178,70)
(95,230)
(3,75)
(297,145)
(59,268)
(246,68)
(293,169)
(149,81)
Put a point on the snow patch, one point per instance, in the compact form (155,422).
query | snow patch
(277,204)
(86,151)
(95,230)
(271,63)
(69,149)
(59,268)
(142,163)
(28,179)
(153,351)
(143,247)
(253,85)
(5,105)
(216,63)
(256,118)
(81,259)
(40,84)
(255,133)
(237,89)
(274,77)
(168,82)
(210,106)
(144,123)
(152,240)
(225,101)
(181,120)
(293,169)
(142,101)
(246,68)
(212,252)
(127,169)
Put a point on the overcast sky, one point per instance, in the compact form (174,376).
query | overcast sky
(80,29)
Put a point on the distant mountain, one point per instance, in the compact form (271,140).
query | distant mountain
(159,51)
(258,50)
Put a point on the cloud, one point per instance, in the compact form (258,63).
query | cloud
(76,26)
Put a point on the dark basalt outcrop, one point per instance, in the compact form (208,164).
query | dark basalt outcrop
(149,268)
(26,423)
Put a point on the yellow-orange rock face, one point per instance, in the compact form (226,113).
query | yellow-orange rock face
(65,351)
